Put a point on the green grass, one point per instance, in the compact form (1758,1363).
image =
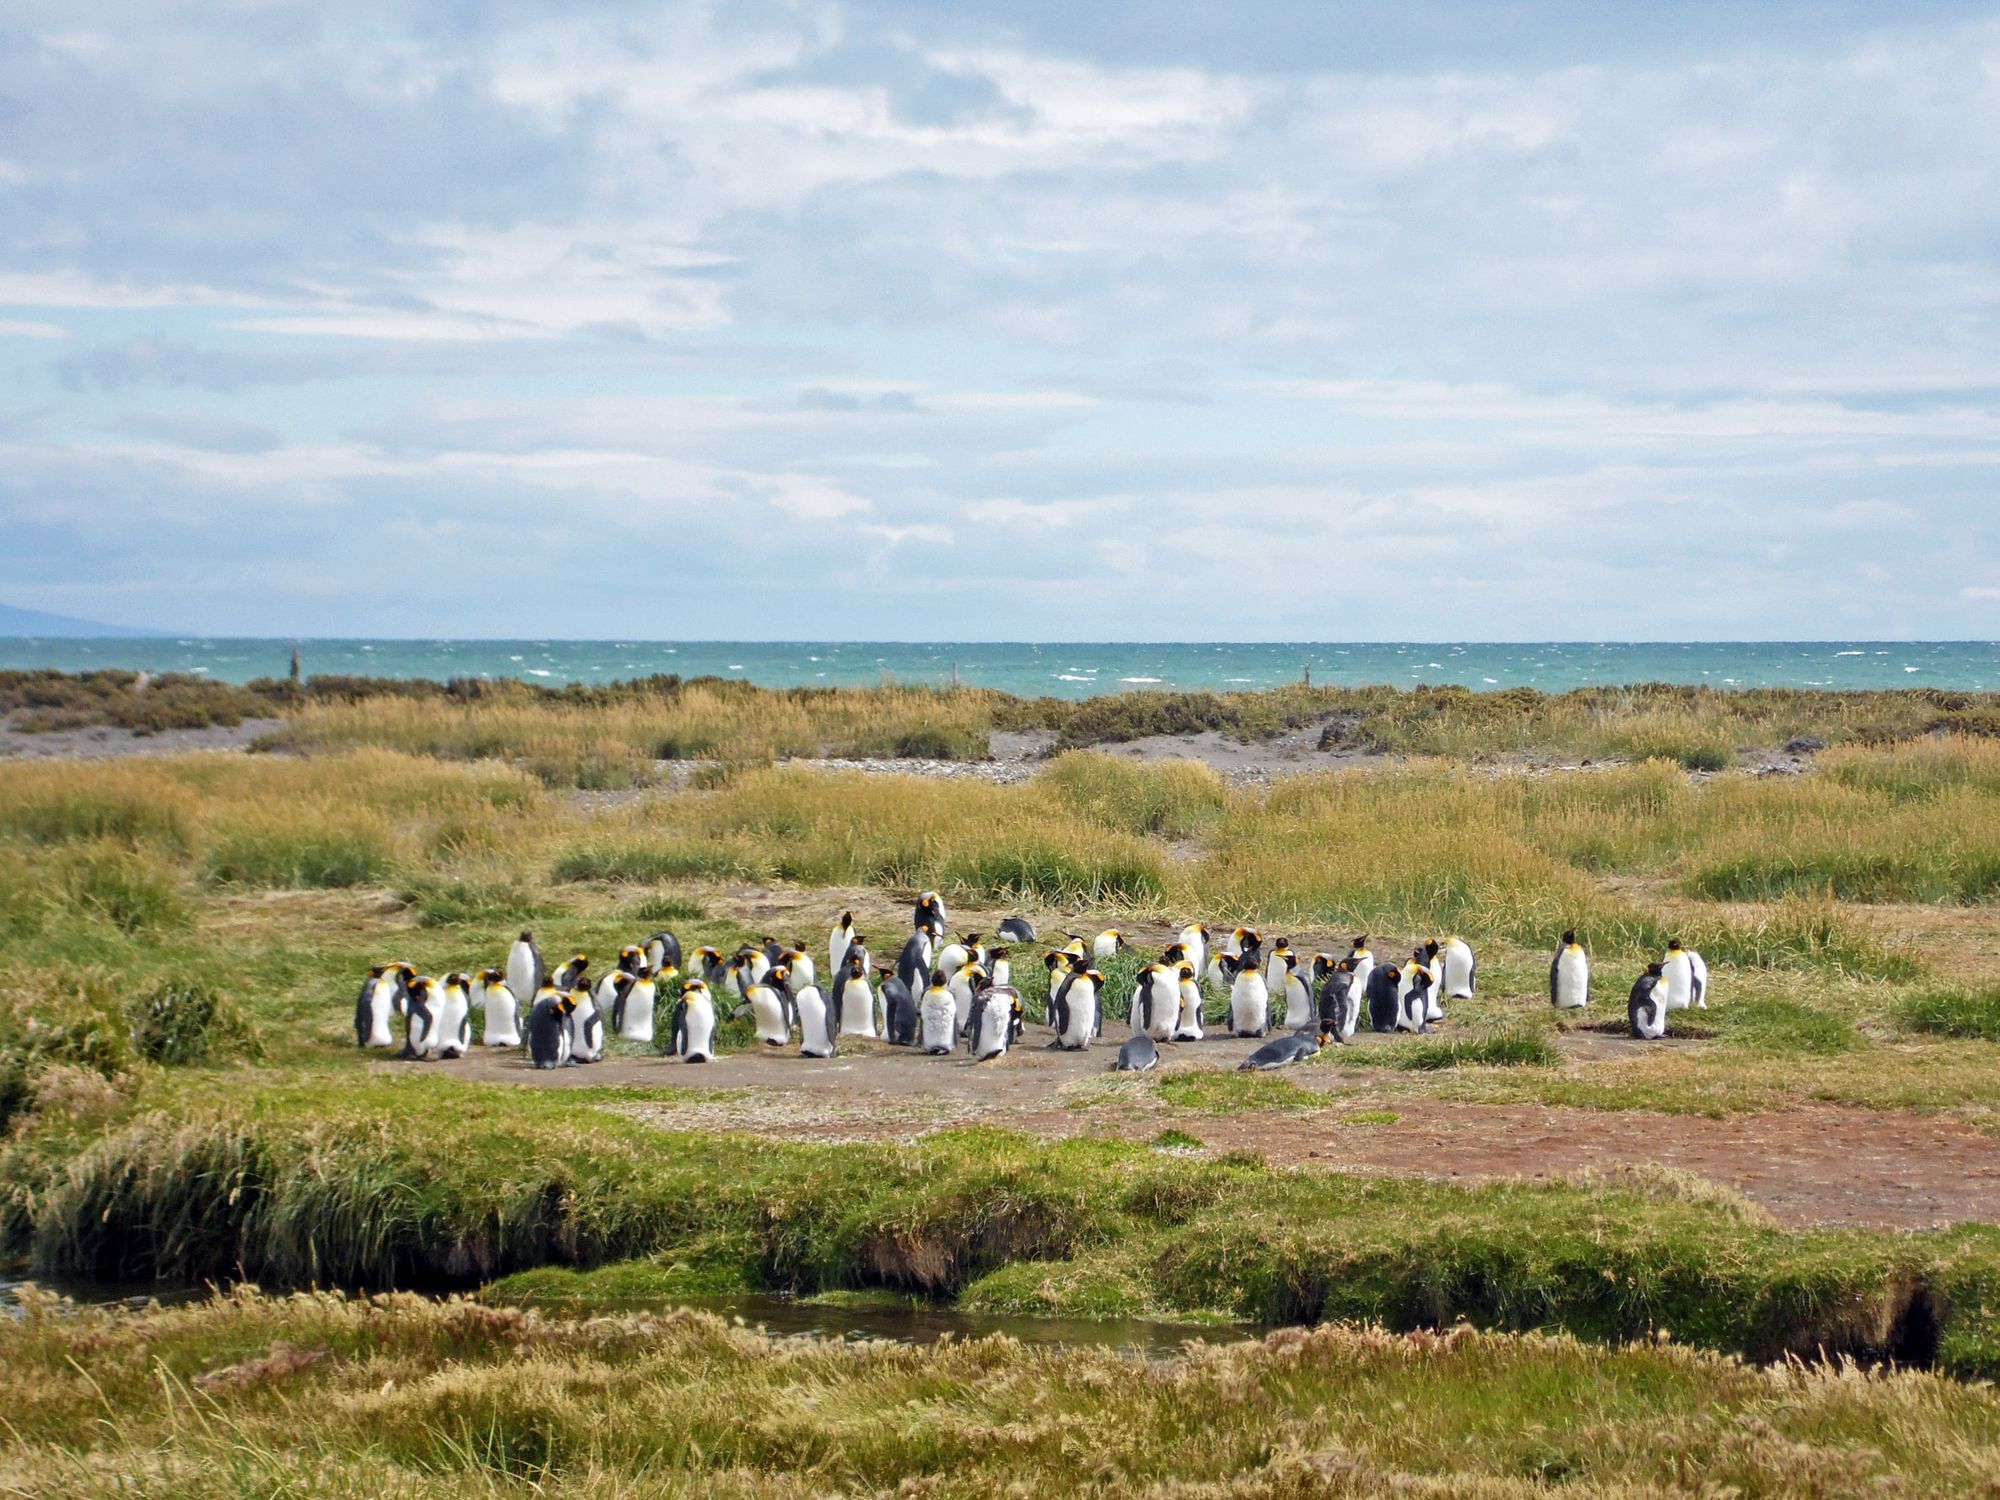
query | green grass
(317,1183)
(1956,1013)
(1515,1050)
(253,1395)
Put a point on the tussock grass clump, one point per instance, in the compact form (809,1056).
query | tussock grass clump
(300,852)
(326,1184)
(1521,1049)
(181,1023)
(1174,799)
(1961,1013)
(433,1399)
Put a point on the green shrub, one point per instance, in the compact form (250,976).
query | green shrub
(1959,1013)
(183,1023)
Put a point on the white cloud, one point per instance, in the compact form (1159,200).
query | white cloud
(25,329)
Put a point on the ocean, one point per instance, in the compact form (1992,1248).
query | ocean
(1075,670)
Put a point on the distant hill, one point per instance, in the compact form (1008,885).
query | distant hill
(34,622)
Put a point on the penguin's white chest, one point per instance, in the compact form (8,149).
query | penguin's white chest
(938,1022)
(1455,972)
(1188,1028)
(1082,1024)
(698,1030)
(1298,1002)
(640,1002)
(521,974)
(1572,979)
(453,1022)
(815,1040)
(857,1009)
(381,1014)
(994,1017)
(768,1012)
(1249,1004)
(1677,983)
(586,1031)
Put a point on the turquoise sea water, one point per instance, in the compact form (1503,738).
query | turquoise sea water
(1076,670)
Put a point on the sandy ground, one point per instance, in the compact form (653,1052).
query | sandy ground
(104,743)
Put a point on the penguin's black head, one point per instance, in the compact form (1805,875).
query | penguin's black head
(1392,971)
(1569,936)
(1362,941)
(1673,945)
(527,935)
(1656,970)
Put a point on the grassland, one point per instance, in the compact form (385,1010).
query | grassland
(180,941)
(396,1396)
(619,734)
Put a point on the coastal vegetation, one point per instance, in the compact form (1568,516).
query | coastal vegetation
(402,1396)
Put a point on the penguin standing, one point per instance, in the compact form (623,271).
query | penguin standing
(586,1026)
(1569,975)
(1425,962)
(710,966)
(1364,964)
(899,1010)
(1283,1051)
(1413,998)
(694,1024)
(1073,1009)
(937,1018)
(930,918)
(1249,999)
(1193,938)
(1385,983)
(1188,1027)
(548,1026)
(771,1008)
(999,968)
(852,996)
(1456,971)
(1339,1003)
(1299,1009)
(1016,930)
(632,1016)
(663,952)
(1156,1002)
(453,1030)
(992,1024)
(954,956)
(1686,976)
(499,1009)
(631,959)
(420,1038)
(913,965)
(819,1020)
(1646,1010)
(1277,964)
(570,975)
(800,966)
(375,1008)
(838,940)
(525,970)
(964,984)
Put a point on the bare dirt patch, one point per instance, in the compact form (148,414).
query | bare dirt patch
(102,742)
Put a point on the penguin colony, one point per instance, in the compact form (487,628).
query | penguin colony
(942,993)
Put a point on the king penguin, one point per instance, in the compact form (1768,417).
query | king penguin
(1339,1003)
(992,1024)
(499,1010)
(586,1026)
(853,997)
(1188,1027)
(1073,1008)
(548,1026)
(632,1017)
(453,1030)
(837,941)
(1686,976)
(1156,1002)
(694,1024)
(663,952)
(1140,1054)
(375,1008)
(899,1010)
(1413,998)
(1569,975)
(1456,971)
(1646,1010)
(937,1016)
(771,1008)
(1385,984)
(930,919)
(1249,1000)
(819,1019)
(525,970)
(420,1038)
(1016,930)
(1282,1052)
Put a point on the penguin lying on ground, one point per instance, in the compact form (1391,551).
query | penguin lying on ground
(1284,1051)
(1140,1054)
(1016,930)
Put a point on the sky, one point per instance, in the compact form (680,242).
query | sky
(1271,320)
